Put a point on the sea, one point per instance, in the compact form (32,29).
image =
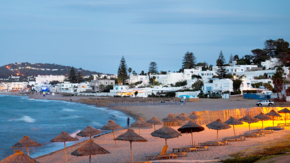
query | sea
(42,120)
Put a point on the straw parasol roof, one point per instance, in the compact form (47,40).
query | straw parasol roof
(170,118)
(154,121)
(249,119)
(111,125)
(285,110)
(262,117)
(89,148)
(63,137)
(218,125)
(194,116)
(26,142)
(140,123)
(273,113)
(166,133)
(18,157)
(130,135)
(89,131)
(190,127)
(233,121)
(183,117)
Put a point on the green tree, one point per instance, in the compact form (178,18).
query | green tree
(210,67)
(278,80)
(72,76)
(80,78)
(221,65)
(91,78)
(237,84)
(129,70)
(134,73)
(122,71)
(136,93)
(231,59)
(268,86)
(270,47)
(259,56)
(197,85)
(188,61)
(236,57)
(153,68)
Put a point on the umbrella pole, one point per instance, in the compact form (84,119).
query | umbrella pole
(273,121)
(131,151)
(217,136)
(65,152)
(249,128)
(27,151)
(165,141)
(285,119)
(191,139)
(115,138)
(90,159)
(234,130)
(154,128)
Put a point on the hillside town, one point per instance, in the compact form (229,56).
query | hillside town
(189,83)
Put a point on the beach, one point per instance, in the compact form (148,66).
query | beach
(155,145)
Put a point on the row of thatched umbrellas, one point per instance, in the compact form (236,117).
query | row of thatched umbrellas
(91,148)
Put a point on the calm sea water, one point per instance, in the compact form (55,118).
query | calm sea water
(42,120)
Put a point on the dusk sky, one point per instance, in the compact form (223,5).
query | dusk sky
(95,35)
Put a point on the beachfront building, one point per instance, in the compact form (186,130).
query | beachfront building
(247,84)
(97,85)
(13,86)
(218,85)
(45,79)
(68,87)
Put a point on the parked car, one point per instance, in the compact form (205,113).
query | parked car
(265,103)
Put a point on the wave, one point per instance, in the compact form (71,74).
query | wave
(24,119)
(72,117)
(74,134)
(40,100)
(68,110)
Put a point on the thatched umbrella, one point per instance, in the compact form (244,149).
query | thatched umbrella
(141,123)
(154,121)
(285,110)
(194,116)
(170,119)
(262,117)
(131,136)
(26,142)
(273,114)
(18,157)
(89,131)
(191,127)
(249,120)
(64,137)
(88,149)
(183,117)
(233,121)
(166,133)
(111,125)
(218,125)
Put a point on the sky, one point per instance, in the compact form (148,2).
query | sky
(94,35)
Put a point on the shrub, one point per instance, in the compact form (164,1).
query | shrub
(170,94)
(216,96)
(236,93)
(288,91)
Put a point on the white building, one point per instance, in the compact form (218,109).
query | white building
(269,64)
(96,84)
(218,85)
(13,86)
(41,79)
(68,87)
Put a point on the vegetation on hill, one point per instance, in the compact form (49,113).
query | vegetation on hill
(28,69)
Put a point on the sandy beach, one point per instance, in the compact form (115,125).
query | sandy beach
(155,145)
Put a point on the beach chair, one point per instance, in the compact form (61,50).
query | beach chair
(251,135)
(234,138)
(214,143)
(153,157)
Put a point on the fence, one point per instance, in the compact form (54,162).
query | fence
(256,96)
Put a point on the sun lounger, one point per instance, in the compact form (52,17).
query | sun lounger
(264,131)
(153,157)
(275,128)
(234,138)
(184,149)
(252,135)
(214,143)
(164,155)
